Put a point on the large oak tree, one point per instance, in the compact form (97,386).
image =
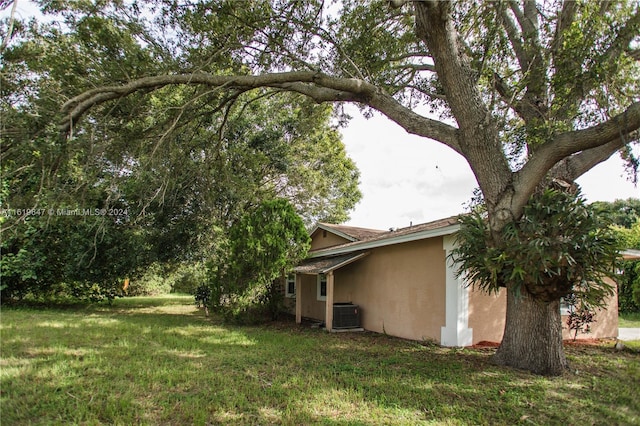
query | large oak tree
(525,91)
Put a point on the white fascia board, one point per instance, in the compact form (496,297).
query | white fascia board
(365,245)
(630,254)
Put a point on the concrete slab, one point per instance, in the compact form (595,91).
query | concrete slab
(629,334)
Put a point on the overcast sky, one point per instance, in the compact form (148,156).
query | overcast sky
(406,178)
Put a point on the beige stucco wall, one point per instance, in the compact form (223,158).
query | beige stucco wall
(606,321)
(487,316)
(400,289)
(322,239)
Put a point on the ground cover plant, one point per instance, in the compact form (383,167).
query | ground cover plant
(629,320)
(161,361)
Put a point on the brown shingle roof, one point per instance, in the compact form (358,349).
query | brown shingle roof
(384,235)
(326,264)
(354,232)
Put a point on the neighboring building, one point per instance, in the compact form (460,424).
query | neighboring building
(404,285)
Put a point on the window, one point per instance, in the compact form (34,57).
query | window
(322,287)
(291,286)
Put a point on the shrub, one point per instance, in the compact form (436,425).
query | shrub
(629,287)
(155,281)
(188,278)
(580,316)
(265,243)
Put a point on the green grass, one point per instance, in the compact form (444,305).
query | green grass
(629,320)
(160,361)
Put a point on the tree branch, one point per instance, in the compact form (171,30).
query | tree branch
(526,46)
(514,37)
(7,38)
(565,20)
(407,56)
(318,86)
(508,96)
(416,67)
(618,126)
(478,135)
(591,142)
(571,168)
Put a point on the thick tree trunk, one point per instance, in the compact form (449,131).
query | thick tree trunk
(532,336)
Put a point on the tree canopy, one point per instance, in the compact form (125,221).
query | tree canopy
(160,187)
(625,214)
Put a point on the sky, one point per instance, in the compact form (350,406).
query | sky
(409,179)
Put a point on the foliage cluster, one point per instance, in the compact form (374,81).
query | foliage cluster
(558,247)
(182,164)
(263,246)
(625,216)
(629,281)
(66,257)
(165,278)
(153,282)
(622,213)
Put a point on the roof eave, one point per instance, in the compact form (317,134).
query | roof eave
(630,254)
(370,244)
(308,268)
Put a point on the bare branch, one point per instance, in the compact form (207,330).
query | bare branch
(416,67)
(622,124)
(407,56)
(7,37)
(565,20)
(74,108)
(508,96)
(578,164)
(407,119)
(429,94)
(515,37)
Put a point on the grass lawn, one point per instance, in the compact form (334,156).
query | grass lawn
(160,361)
(629,320)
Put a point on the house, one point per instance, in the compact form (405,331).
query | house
(404,284)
